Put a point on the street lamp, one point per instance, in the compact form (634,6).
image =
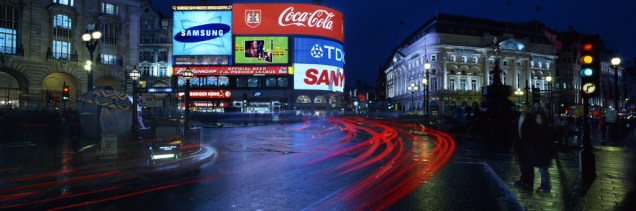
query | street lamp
(549,80)
(518,93)
(615,62)
(134,75)
(412,89)
(427,67)
(90,37)
(187,74)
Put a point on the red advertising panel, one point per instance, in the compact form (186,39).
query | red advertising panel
(287,19)
(208,94)
(232,70)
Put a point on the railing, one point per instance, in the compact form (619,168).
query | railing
(62,56)
(118,62)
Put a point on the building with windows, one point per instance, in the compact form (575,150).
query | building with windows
(460,52)
(41,48)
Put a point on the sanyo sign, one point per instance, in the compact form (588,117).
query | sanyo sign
(318,77)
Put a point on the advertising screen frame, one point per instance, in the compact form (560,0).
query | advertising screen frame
(205,30)
(263,49)
(325,77)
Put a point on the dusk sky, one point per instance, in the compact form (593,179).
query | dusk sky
(373,29)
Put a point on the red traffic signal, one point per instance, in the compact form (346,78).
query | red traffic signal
(65,92)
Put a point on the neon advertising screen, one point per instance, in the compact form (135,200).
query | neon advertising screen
(318,65)
(261,50)
(202,35)
(288,19)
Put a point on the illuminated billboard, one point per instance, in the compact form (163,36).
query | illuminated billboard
(318,77)
(232,70)
(288,19)
(208,94)
(318,51)
(261,50)
(202,31)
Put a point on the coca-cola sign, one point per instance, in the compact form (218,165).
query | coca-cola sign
(301,19)
(316,19)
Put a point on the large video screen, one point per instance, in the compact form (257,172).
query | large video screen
(261,50)
(288,19)
(318,51)
(202,30)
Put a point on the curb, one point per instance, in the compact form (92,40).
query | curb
(509,196)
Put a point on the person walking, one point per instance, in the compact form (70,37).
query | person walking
(523,127)
(543,151)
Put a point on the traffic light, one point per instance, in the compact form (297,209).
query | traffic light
(245,101)
(536,95)
(65,93)
(590,65)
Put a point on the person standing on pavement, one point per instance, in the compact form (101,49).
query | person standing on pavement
(543,151)
(523,127)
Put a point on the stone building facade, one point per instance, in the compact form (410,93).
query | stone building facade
(460,52)
(41,48)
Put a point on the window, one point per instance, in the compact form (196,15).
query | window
(540,64)
(518,80)
(145,69)
(282,82)
(475,60)
(8,29)
(473,84)
(108,59)
(464,59)
(504,78)
(518,64)
(491,62)
(147,24)
(252,82)
(145,38)
(110,9)
(505,63)
(223,80)
(433,86)
(320,99)
(64,2)
(451,84)
(452,58)
(433,57)
(462,84)
(163,69)
(62,26)
(547,65)
(164,24)
(303,99)
(532,64)
(146,55)
(212,81)
(109,32)
(270,82)
(61,50)
(333,99)
(163,56)
(241,82)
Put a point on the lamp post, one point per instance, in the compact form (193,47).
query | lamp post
(134,75)
(187,74)
(427,67)
(615,62)
(412,89)
(90,37)
(549,80)
(518,93)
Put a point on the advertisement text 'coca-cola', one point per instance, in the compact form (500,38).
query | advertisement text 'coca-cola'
(317,19)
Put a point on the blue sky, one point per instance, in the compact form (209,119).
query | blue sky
(373,29)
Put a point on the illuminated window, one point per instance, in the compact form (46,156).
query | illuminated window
(145,68)
(111,9)
(451,84)
(333,99)
(532,64)
(433,57)
(8,29)
(164,24)
(464,59)
(462,84)
(108,59)
(320,99)
(61,50)
(303,99)
(224,80)
(475,60)
(64,2)
(473,84)
(270,82)
(252,82)
(452,58)
(61,21)
(282,82)
(163,69)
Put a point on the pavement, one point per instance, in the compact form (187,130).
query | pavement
(611,189)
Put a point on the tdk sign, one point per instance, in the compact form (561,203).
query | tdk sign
(318,51)
(202,32)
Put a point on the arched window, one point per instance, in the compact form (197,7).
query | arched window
(333,99)
(303,99)
(320,99)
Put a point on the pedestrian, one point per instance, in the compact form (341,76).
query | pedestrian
(543,151)
(523,127)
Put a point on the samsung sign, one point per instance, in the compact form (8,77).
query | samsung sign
(319,51)
(202,33)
